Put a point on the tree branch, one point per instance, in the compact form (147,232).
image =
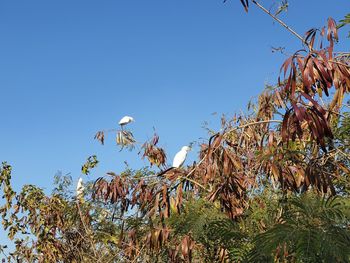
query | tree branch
(279,21)
(233,129)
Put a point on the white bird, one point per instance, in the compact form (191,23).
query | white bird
(125,120)
(80,188)
(180,157)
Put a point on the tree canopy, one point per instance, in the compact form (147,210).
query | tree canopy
(272,185)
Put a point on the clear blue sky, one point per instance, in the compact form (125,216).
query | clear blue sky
(70,68)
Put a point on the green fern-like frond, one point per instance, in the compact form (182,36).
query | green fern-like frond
(312,229)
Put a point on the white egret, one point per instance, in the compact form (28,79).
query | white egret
(180,157)
(80,188)
(125,120)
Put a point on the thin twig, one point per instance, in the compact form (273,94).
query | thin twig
(86,229)
(343,153)
(138,253)
(251,124)
(193,181)
(279,21)
(340,63)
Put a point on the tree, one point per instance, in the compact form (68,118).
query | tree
(271,186)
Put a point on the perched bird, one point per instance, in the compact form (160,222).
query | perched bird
(80,188)
(180,157)
(125,120)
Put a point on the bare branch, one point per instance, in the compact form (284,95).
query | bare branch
(280,21)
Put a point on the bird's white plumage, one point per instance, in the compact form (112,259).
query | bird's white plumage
(80,187)
(180,157)
(125,120)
